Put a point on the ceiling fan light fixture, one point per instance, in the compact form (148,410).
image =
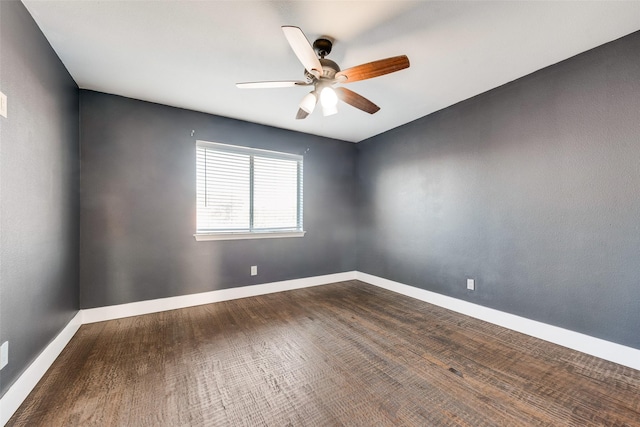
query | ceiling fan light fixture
(308,103)
(329,111)
(329,101)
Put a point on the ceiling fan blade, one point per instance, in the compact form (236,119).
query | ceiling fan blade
(301,114)
(268,85)
(303,49)
(373,69)
(356,100)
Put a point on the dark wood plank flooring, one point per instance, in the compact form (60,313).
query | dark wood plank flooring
(340,354)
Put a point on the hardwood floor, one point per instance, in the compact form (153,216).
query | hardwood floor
(340,354)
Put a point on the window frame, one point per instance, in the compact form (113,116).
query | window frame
(251,233)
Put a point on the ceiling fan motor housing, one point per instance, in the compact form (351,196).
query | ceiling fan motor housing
(329,68)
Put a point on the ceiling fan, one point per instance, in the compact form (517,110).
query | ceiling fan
(323,73)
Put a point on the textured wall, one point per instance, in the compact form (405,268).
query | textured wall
(532,189)
(38,192)
(138,205)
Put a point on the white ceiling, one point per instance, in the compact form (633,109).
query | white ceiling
(190,54)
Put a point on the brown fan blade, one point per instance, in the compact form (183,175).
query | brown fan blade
(303,49)
(269,85)
(356,100)
(373,69)
(301,114)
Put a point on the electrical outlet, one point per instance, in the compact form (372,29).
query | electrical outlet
(254,270)
(3,105)
(4,354)
(471,284)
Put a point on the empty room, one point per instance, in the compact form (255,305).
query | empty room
(319,213)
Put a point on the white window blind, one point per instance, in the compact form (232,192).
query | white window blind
(245,190)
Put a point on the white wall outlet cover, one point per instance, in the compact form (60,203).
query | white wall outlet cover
(3,105)
(254,270)
(4,354)
(471,284)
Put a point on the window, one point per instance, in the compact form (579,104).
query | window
(245,193)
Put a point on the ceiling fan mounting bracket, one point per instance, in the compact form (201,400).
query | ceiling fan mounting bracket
(322,47)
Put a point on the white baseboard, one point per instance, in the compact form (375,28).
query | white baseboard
(111,312)
(606,350)
(19,390)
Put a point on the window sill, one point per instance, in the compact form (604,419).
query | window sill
(200,237)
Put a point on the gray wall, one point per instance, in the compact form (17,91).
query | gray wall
(138,205)
(533,189)
(38,192)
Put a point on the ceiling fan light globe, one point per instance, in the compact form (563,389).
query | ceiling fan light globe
(329,110)
(329,98)
(308,103)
